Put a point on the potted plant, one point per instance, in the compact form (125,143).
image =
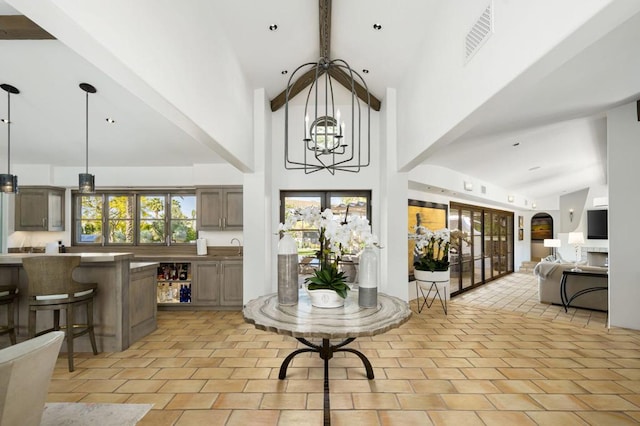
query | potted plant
(431,254)
(328,286)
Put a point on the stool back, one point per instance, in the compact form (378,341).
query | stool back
(49,275)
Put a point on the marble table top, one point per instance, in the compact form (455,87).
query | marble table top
(304,320)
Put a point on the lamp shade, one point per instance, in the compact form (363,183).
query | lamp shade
(576,238)
(551,242)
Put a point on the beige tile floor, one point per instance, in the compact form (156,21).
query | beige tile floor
(491,361)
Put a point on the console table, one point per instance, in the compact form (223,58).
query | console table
(566,300)
(304,321)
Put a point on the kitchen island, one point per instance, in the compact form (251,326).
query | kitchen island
(125,307)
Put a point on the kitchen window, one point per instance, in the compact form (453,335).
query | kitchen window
(134,218)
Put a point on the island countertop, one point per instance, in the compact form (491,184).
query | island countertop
(125,307)
(16,258)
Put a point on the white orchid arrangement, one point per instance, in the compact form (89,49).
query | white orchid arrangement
(336,239)
(431,249)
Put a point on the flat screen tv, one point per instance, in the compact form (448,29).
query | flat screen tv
(597,225)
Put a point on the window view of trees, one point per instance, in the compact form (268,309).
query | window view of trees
(135,218)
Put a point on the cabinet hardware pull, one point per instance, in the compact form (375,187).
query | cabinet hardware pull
(220,223)
(224,222)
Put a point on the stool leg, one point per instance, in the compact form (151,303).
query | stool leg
(69,335)
(32,323)
(10,322)
(56,319)
(92,335)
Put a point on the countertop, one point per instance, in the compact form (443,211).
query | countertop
(16,258)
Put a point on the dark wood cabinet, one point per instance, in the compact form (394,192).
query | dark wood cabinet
(39,209)
(219,208)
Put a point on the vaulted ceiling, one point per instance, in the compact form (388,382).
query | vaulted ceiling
(539,139)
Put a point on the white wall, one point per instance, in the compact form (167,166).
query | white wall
(623,135)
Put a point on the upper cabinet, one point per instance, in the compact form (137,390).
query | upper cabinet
(39,208)
(219,208)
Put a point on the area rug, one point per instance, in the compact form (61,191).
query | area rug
(81,414)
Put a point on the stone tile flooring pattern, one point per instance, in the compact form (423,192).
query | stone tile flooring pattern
(504,362)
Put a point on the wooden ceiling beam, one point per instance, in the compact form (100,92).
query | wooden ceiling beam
(344,79)
(325,28)
(19,27)
(298,86)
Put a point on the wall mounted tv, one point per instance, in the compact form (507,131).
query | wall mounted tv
(597,228)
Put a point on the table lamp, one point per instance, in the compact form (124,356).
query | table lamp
(553,243)
(576,239)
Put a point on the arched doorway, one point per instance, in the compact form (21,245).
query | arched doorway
(541,229)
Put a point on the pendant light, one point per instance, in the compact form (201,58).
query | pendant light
(9,182)
(87,183)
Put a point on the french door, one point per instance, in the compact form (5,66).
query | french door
(481,245)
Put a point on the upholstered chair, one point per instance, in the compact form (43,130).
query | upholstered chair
(25,374)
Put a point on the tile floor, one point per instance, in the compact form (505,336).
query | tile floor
(494,360)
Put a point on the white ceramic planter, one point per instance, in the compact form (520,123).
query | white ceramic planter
(428,276)
(325,298)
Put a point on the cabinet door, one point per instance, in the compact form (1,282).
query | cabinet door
(55,203)
(31,210)
(207,283)
(231,283)
(209,209)
(233,208)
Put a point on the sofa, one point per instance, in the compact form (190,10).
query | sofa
(549,275)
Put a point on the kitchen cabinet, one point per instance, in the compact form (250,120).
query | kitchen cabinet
(39,208)
(219,208)
(218,283)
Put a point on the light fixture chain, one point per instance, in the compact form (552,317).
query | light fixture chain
(87,132)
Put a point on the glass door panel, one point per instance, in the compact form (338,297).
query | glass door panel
(466,250)
(455,276)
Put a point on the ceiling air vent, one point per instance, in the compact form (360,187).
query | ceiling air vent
(479,33)
(483,189)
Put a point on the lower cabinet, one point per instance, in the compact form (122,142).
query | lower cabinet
(217,283)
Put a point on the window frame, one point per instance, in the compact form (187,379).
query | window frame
(135,195)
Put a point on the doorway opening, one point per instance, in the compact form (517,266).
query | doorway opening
(541,229)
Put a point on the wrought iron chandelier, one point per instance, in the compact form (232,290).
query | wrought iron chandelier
(9,182)
(328,143)
(326,140)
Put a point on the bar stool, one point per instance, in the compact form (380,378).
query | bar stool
(9,297)
(52,287)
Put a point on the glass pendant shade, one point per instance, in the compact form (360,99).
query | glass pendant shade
(8,183)
(86,183)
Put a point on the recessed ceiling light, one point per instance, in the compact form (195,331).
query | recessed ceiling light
(516,144)
(273,27)
(110,120)
(377,27)
(284,72)
(365,71)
